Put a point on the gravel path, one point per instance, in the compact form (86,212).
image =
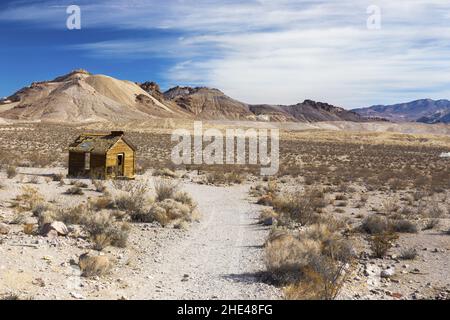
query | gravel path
(218,258)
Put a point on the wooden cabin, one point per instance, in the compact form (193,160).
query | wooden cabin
(102,156)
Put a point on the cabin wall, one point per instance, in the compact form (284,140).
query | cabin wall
(76,164)
(98,168)
(129,159)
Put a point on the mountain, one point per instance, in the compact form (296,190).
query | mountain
(80,96)
(308,111)
(206,103)
(425,111)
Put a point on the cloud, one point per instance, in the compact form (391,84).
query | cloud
(283,51)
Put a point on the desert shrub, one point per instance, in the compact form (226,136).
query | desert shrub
(75,215)
(341,197)
(74,191)
(375,224)
(34,180)
(104,231)
(431,224)
(165,189)
(390,206)
(312,263)
(168,211)
(408,254)
(301,207)
(165,172)
(101,203)
(220,178)
(404,226)
(435,212)
(185,198)
(39,209)
(11,172)
(29,199)
(99,186)
(380,243)
(129,203)
(58,177)
(92,266)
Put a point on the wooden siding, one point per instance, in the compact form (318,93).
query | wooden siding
(76,164)
(98,169)
(129,159)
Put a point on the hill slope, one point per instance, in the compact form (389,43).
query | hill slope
(80,96)
(425,111)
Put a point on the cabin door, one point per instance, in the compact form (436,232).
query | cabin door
(120,164)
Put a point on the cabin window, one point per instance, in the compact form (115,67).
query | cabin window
(87,161)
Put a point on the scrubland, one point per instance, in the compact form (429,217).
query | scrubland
(350,215)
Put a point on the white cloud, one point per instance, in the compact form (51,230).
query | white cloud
(283,51)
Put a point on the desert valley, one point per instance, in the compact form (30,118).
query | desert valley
(359,208)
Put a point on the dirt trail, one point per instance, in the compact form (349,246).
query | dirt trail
(217,259)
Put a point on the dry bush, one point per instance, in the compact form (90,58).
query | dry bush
(99,186)
(375,224)
(168,211)
(11,172)
(101,203)
(220,178)
(76,215)
(435,212)
(185,198)
(165,189)
(58,177)
(165,172)
(104,231)
(314,260)
(34,180)
(408,254)
(301,207)
(390,206)
(431,224)
(74,191)
(92,266)
(404,226)
(28,200)
(381,243)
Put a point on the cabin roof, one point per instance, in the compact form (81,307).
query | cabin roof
(98,143)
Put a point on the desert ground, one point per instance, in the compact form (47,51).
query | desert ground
(355,212)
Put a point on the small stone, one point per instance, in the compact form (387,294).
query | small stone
(4,229)
(388,273)
(77,296)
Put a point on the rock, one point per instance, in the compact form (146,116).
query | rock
(269,221)
(388,273)
(4,229)
(76,295)
(57,226)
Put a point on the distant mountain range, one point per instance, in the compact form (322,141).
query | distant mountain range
(80,96)
(424,111)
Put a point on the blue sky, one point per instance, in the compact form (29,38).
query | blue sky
(257,51)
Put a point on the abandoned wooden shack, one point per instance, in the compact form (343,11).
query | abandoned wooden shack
(102,156)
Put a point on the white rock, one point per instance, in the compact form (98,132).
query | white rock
(388,273)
